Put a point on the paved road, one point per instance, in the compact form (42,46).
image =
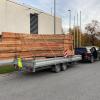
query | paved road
(81,82)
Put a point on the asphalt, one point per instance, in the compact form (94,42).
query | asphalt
(79,82)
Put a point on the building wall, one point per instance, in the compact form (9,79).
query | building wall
(2,15)
(13,18)
(16,18)
(46,24)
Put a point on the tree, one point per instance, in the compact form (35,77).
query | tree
(92,29)
(97,39)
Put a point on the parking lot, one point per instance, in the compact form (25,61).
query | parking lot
(79,82)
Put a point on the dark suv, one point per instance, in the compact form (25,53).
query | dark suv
(89,53)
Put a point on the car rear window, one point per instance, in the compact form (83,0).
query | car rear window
(80,50)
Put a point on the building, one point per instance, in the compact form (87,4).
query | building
(20,18)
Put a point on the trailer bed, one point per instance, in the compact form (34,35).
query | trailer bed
(46,63)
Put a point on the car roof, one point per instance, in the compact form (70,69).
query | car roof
(89,47)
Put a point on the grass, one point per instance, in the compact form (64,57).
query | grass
(7,69)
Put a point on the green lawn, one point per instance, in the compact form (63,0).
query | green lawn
(6,69)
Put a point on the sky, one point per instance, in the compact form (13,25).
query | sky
(90,10)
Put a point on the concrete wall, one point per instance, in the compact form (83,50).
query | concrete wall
(16,18)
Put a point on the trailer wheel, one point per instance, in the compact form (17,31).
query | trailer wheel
(64,67)
(57,68)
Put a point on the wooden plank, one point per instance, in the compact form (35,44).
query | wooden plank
(30,36)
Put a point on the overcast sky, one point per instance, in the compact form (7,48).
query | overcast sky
(90,9)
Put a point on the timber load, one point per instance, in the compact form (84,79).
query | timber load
(29,46)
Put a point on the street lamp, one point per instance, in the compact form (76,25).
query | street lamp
(69,19)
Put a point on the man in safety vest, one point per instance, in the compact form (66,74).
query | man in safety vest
(20,64)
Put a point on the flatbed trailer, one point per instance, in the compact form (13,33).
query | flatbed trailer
(56,64)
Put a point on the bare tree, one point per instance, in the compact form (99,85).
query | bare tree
(92,29)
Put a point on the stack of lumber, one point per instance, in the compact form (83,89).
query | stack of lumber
(28,46)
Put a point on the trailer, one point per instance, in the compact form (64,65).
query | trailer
(38,52)
(56,64)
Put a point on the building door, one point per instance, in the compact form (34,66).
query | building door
(34,23)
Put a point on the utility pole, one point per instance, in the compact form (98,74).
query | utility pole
(74,32)
(69,19)
(77,32)
(54,16)
(80,29)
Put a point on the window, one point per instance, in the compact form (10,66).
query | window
(34,23)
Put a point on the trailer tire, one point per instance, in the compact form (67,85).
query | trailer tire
(57,68)
(64,67)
